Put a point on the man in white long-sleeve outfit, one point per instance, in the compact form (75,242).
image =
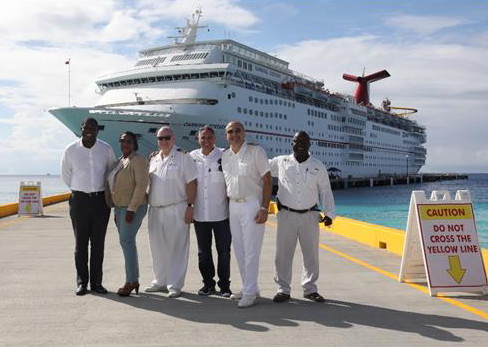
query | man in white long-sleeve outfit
(303,183)
(248,180)
(172,192)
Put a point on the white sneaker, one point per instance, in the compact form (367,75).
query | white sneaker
(238,295)
(246,301)
(155,288)
(174,293)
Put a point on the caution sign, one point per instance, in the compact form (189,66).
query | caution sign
(443,232)
(30,201)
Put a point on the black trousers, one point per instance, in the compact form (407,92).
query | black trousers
(89,217)
(221,230)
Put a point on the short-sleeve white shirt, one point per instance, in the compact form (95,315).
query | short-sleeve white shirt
(85,169)
(169,177)
(302,185)
(243,171)
(211,204)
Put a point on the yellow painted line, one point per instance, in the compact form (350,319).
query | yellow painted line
(413,285)
(13,221)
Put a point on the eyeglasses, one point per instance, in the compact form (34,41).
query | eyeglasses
(165,138)
(129,142)
(234,131)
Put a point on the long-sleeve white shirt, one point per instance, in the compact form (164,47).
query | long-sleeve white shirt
(302,185)
(85,169)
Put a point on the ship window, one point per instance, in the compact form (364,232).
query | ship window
(250,112)
(250,99)
(266,101)
(261,101)
(101,127)
(152,130)
(239,109)
(245,111)
(261,113)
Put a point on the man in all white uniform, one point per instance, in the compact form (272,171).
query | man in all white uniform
(172,191)
(211,214)
(248,179)
(303,182)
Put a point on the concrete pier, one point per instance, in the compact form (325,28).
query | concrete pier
(366,305)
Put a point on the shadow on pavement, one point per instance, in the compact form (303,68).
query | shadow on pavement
(333,313)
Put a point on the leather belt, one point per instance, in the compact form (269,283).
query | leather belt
(168,205)
(281,206)
(238,199)
(90,195)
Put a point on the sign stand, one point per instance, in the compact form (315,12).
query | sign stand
(441,244)
(30,201)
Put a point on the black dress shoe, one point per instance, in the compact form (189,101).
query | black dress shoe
(281,297)
(99,289)
(314,297)
(81,290)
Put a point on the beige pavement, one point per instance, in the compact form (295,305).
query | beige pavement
(365,308)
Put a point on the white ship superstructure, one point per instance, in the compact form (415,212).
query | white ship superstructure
(190,84)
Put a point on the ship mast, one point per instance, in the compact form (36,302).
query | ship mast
(188,34)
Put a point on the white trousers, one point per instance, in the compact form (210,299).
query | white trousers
(169,240)
(247,239)
(303,227)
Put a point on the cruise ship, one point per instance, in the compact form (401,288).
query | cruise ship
(190,83)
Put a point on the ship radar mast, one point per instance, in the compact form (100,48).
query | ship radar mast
(188,34)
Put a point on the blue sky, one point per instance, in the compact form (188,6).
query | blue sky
(436,52)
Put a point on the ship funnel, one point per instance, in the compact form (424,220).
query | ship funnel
(362,91)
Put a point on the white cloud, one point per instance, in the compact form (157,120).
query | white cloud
(39,36)
(424,25)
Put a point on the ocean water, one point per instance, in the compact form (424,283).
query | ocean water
(386,206)
(9,186)
(389,205)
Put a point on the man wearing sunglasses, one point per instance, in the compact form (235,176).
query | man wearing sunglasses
(172,192)
(85,165)
(248,180)
(303,184)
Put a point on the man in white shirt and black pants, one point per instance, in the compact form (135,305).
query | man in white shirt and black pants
(85,165)
(303,182)
(211,214)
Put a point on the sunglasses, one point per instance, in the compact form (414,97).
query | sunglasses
(234,131)
(129,142)
(165,138)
